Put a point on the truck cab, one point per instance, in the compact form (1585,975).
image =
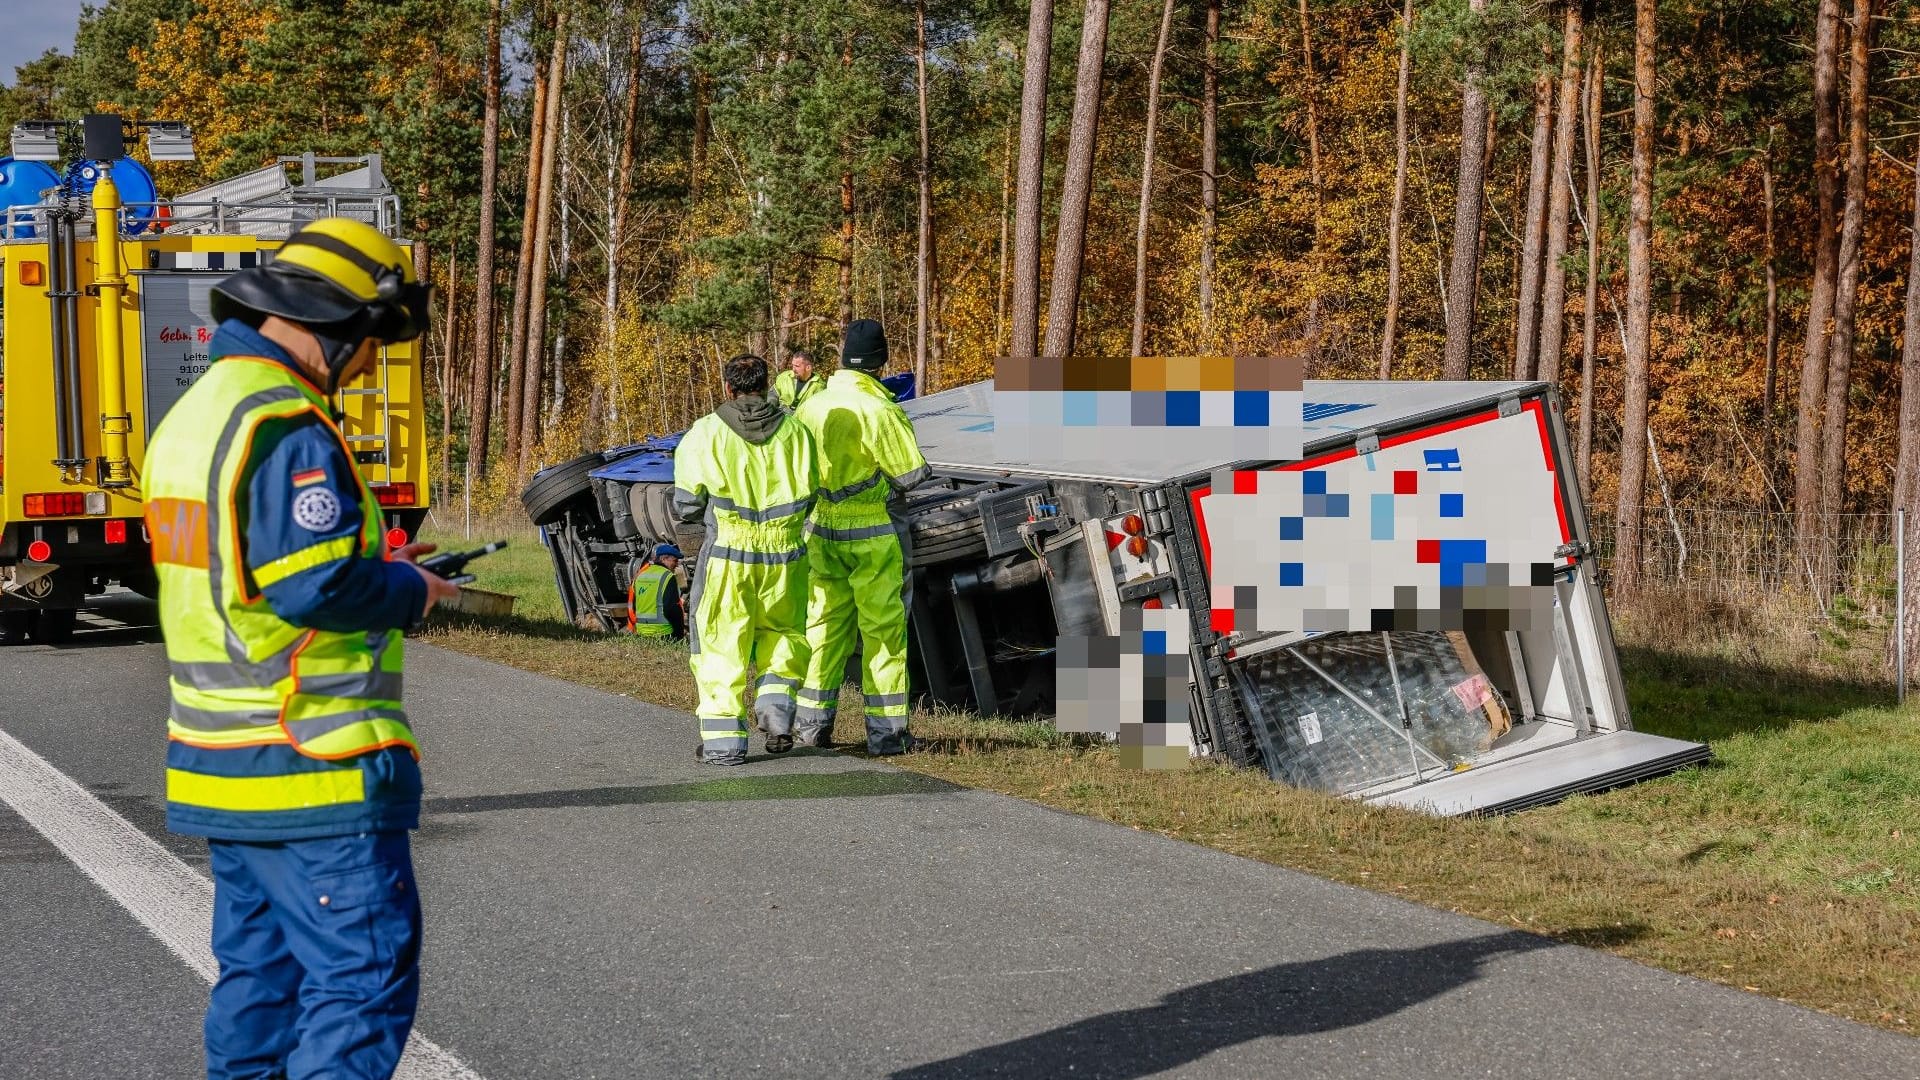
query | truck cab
(105,321)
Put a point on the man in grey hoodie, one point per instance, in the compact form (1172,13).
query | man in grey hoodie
(753,473)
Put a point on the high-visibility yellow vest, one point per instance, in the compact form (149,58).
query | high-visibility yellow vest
(241,676)
(867,447)
(791,391)
(757,494)
(646,602)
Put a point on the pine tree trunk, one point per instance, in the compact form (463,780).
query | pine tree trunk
(1210,172)
(1025,336)
(1771,386)
(451,301)
(1526,324)
(1076,193)
(1813,361)
(516,359)
(1463,278)
(531,384)
(619,194)
(1391,331)
(1146,180)
(1906,486)
(1006,238)
(1833,463)
(1583,460)
(1317,177)
(1639,339)
(558,403)
(846,216)
(1553,294)
(480,385)
(923,265)
(702,95)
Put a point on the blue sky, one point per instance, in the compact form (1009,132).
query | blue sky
(33,28)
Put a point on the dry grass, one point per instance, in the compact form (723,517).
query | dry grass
(1789,867)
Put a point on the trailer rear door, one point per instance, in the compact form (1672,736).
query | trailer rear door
(1476,670)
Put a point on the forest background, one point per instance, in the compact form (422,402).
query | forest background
(1697,217)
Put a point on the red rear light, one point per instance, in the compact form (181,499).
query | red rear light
(56,504)
(39,551)
(1132,525)
(117,531)
(396,537)
(394,494)
(1137,547)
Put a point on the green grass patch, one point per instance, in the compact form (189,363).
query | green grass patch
(1787,867)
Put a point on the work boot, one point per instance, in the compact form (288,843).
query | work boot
(818,738)
(779,744)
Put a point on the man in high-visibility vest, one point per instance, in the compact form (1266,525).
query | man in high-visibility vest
(753,473)
(797,383)
(283,610)
(858,546)
(653,597)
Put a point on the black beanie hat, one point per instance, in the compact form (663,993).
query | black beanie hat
(865,346)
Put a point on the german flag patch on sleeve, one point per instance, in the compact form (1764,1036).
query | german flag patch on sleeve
(309,477)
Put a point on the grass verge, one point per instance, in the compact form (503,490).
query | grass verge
(1789,867)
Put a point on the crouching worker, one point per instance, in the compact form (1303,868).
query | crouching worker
(653,599)
(288,748)
(751,470)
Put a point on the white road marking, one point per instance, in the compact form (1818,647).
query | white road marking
(171,899)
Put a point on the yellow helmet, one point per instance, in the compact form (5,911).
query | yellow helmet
(333,271)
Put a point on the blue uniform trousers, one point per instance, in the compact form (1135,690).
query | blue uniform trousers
(319,947)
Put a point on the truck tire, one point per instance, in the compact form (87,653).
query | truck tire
(53,626)
(557,485)
(947,536)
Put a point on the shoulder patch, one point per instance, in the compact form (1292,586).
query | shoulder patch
(316,510)
(309,478)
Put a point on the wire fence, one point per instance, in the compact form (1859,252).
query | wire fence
(1747,581)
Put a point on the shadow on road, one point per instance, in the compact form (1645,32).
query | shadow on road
(835,785)
(1305,998)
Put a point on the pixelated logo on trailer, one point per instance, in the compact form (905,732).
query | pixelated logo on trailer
(1131,685)
(1233,408)
(1411,537)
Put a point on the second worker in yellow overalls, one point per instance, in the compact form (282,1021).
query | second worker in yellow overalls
(752,472)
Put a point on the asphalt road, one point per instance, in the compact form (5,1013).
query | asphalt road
(599,905)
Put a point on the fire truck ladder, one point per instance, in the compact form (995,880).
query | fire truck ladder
(373,447)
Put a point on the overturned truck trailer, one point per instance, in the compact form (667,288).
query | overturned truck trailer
(1477,714)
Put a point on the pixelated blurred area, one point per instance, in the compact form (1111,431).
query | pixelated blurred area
(1132,686)
(1453,532)
(1237,407)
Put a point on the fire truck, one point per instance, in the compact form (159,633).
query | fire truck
(106,320)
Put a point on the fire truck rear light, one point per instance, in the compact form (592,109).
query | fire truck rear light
(58,504)
(1132,525)
(117,531)
(39,551)
(97,503)
(394,494)
(396,537)
(1137,547)
(32,273)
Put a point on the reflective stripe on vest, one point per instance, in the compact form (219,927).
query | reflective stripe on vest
(241,675)
(647,601)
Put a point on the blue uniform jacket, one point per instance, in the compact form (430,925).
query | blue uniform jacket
(346,594)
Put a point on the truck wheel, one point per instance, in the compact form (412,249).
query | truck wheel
(947,536)
(557,485)
(53,626)
(14,626)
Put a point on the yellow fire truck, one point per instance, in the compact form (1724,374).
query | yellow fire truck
(99,338)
